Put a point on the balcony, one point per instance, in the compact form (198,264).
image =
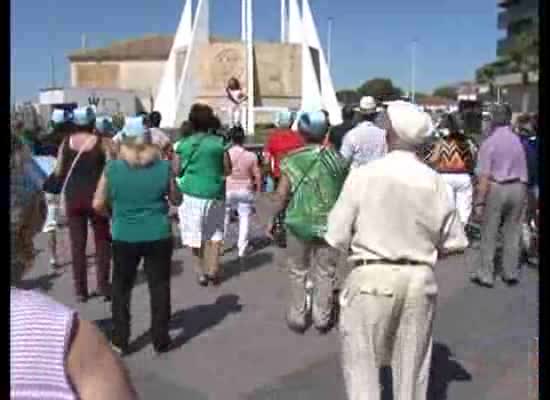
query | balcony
(516,14)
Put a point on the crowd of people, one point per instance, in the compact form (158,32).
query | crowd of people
(365,188)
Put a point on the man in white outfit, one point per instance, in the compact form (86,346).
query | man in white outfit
(366,142)
(395,215)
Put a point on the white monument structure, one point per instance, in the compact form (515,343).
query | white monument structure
(180,88)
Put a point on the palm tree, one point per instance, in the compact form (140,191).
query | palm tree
(487,75)
(523,55)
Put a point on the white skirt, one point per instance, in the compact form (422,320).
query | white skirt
(200,220)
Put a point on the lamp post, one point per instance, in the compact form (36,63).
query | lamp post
(413,71)
(329,43)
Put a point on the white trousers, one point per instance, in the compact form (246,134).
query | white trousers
(242,201)
(460,191)
(52,202)
(386,319)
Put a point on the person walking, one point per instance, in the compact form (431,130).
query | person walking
(388,301)
(500,199)
(54,354)
(366,142)
(338,132)
(245,180)
(158,136)
(311,180)
(80,162)
(452,157)
(281,141)
(202,165)
(52,186)
(137,188)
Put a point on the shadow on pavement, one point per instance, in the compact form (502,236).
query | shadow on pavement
(194,321)
(176,270)
(444,370)
(235,267)
(43,283)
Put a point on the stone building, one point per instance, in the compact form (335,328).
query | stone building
(138,65)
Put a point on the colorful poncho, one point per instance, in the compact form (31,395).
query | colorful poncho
(313,196)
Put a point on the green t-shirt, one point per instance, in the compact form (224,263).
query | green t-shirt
(138,200)
(202,156)
(312,200)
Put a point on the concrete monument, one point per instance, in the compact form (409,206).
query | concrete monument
(290,74)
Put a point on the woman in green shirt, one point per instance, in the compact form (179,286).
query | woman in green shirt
(137,188)
(203,163)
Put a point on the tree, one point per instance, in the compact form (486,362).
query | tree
(348,96)
(523,54)
(381,89)
(448,92)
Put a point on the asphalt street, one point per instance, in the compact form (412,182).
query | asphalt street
(233,342)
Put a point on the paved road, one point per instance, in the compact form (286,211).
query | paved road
(235,345)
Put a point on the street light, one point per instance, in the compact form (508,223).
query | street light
(329,43)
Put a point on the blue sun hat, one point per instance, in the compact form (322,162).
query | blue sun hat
(134,127)
(59,117)
(313,124)
(104,124)
(84,116)
(284,119)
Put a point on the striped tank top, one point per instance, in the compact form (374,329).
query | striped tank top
(39,343)
(454,156)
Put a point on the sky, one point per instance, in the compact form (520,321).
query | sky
(370,38)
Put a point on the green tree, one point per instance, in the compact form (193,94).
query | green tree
(486,75)
(381,89)
(448,92)
(348,96)
(523,55)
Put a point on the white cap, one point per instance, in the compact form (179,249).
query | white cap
(409,123)
(367,105)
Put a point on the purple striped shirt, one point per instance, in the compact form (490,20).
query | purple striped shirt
(39,343)
(502,157)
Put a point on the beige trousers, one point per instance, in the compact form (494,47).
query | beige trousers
(316,261)
(386,319)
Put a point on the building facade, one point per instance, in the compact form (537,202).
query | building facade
(137,65)
(516,17)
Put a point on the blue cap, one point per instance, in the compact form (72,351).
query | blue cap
(104,124)
(134,127)
(60,116)
(284,119)
(83,116)
(313,124)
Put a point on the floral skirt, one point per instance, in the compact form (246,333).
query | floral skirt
(200,220)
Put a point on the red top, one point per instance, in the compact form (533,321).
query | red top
(279,143)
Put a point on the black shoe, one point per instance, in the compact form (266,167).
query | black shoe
(323,330)
(106,297)
(481,283)
(214,280)
(165,348)
(81,298)
(203,280)
(511,282)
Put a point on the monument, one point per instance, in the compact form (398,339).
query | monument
(290,74)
